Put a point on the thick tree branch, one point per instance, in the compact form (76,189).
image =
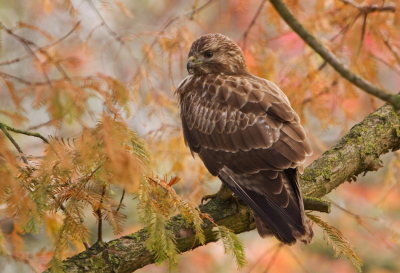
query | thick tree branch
(330,58)
(357,152)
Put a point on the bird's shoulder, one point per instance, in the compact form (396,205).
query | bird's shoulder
(241,117)
(245,94)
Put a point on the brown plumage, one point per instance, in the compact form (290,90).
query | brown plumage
(247,134)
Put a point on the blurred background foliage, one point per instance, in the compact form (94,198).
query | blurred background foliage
(68,67)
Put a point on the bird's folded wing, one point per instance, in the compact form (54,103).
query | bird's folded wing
(243,121)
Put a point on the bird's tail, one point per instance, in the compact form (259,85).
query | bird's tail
(277,211)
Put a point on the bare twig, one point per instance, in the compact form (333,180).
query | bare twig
(265,254)
(297,259)
(366,227)
(389,46)
(122,199)
(4,129)
(166,25)
(395,69)
(18,59)
(253,21)
(26,44)
(25,132)
(389,7)
(273,258)
(42,124)
(328,56)
(104,23)
(100,216)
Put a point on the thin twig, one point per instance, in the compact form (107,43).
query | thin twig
(364,25)
(395,69)
(112,32)
(87,179)
(100,216)
(166,25)
(390,7)
(327,55)
(297,259)
(67,214)
(273,258)
(265,254)
(387,44)
(244,36)
(4,129)
(25,132)
(18,59)
(25,43)
(122,199)
(365,226)
(42,124)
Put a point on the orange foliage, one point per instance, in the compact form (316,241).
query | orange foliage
(94,86)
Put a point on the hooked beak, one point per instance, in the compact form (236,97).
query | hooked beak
(190,63)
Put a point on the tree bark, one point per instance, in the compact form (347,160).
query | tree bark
(357,152)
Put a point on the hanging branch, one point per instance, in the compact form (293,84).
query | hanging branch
(330,58)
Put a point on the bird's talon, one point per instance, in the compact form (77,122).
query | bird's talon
(209,196)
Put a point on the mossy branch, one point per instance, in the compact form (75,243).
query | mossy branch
(330,58)
(357,152)
(28,133)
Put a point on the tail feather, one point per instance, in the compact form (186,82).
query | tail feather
(277,214)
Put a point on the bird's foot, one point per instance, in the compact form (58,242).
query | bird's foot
(224,194)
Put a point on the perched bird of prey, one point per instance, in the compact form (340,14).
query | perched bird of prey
(246,133)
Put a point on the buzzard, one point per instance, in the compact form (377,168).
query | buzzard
(246,133)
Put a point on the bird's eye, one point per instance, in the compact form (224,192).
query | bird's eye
(208,54)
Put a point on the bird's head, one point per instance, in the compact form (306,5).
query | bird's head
(216,54)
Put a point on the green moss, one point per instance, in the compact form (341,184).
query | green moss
(97,264)
(178,220)
(369,149)
(333,158)
(341,154)
(115,244)
(83,255)
(310,175)
(135,236)
(376,114)
(113,259)
(330,151)
(380,128)
(398,131)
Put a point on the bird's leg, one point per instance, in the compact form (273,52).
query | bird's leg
(224,194)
